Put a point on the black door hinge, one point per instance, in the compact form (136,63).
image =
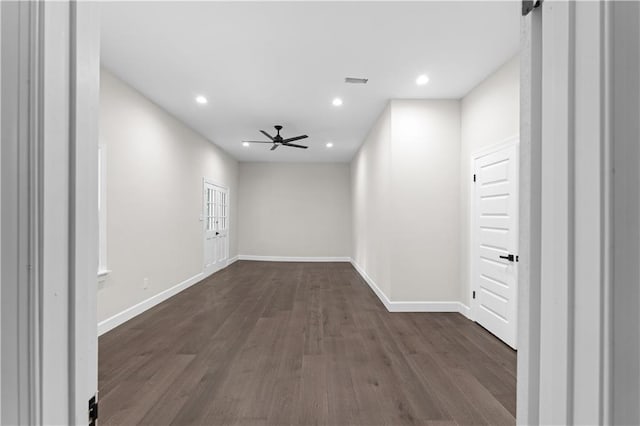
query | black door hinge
(529,5)
(474,294)
(93,411)
(474,177)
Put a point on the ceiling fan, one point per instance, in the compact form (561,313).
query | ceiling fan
(277,140)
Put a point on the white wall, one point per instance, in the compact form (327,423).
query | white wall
(155,166)
(294,210)
(370,194)
(411,188)
(490,115)
(425,184)
(405,182)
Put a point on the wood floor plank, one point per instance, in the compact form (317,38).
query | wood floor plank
(488,368)
(268,343)
(227,345)
(452,399)
(341,398)
(312,407)
(490,408)
(371,399)
(421,398)
(139,394)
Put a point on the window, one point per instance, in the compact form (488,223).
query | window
(216,210)
(210,209)
(223,211)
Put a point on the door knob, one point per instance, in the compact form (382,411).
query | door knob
(509,257)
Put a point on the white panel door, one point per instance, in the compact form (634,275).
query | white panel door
(495,274)
(216,227)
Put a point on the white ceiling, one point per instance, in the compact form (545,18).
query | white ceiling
(267,63)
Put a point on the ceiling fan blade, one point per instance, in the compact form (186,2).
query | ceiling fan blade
(274,147)
(266,134)
(295,146)
(258,141)
(297,138)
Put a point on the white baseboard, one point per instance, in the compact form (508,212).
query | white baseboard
(292,258)
(137,309)
(423,306)
(466,311)
(124,316)
(419,306)
(392,306)
(383,297)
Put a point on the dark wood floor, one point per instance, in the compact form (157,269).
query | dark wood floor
(300,344)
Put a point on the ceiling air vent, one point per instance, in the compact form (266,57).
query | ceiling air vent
(352,80)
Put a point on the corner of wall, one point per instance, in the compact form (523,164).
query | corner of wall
(144,177)
(490,114)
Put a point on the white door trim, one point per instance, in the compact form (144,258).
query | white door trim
(20,335)
(528,368)
(513,141)
(49,136)
(564,365)
(84,262)
(621,292)
(1,97)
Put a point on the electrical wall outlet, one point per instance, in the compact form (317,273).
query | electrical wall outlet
(145,283)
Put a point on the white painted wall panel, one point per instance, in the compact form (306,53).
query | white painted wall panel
(370,192)
(405,183)
(155,167)
(424,206)
(294,210)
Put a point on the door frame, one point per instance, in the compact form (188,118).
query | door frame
(589,26)
(566,359)
(49,239)
(205,182)
(512,141)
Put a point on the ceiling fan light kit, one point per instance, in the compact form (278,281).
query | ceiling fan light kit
(278,140)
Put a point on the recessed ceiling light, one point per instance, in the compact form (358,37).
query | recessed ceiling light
(422,80)
(201,100)
(329,144)
(245,144)
(337,102)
